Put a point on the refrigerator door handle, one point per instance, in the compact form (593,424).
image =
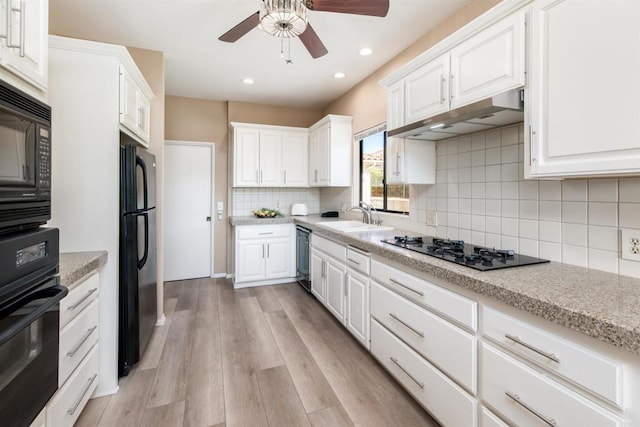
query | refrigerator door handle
(143,167)
(142,261)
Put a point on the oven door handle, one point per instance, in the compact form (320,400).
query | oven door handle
(53,296)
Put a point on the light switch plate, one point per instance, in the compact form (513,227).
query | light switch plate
(630,244)
(432,218)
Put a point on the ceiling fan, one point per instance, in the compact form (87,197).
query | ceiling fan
(288,18)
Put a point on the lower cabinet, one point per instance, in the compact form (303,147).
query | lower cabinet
(335,273)
(264,254)
(357,305)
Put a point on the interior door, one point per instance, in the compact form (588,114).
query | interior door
(187,211)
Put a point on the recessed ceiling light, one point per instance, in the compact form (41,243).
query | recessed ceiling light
(339,75)
(365,51)
(247,81)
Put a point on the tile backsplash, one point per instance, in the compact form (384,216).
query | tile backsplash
(481,197)
(246,200)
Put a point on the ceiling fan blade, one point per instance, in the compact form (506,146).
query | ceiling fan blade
(313,43)
(355,7)
(241,29)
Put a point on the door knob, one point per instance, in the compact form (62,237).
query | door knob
(208,219)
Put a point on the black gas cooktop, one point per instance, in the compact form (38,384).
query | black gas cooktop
(458,251)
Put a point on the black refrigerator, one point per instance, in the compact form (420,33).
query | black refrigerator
(138,282)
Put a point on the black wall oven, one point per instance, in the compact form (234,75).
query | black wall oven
(29,323)
(25,160)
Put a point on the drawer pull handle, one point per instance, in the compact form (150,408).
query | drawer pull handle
(264,234)
(516,398)
(394,360)
(76,305)
(517,340)
(411,328)
(407,287)
(84,339)
(353,261)
(72,410)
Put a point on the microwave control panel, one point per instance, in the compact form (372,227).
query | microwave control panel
(44,159)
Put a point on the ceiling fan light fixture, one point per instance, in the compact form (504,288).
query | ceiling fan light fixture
(283,18)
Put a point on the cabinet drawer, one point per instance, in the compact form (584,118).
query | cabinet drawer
(79,298)
(358,260)
(528,398)
(264,231)
(447,402)
(67,404)
(593,371)
(448,347)
(76,339)
(336,250)
(447,303)
(489,419)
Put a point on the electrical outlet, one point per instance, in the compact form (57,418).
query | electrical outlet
(278,205)
(630,244)
(432,218)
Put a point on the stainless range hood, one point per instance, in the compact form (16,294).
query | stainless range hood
(500,110)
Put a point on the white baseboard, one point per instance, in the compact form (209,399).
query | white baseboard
(263,283)
(161,320)
(220,276)
(229,276)
(100,393)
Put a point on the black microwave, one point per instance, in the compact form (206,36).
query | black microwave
(25,160)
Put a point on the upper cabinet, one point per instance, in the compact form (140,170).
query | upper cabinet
(269,156)
(135,105)
(478,66)
(410,161)
(24,29)
(330,149)
(583,94)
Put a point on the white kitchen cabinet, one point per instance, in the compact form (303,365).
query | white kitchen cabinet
(357,305)
(269,156)
(135,112)
(318,288)
(336,287)
(426,90)
(265,254)
(329,258)
(330,149)
(410,161)
(395,105)
(23,43)
(583,92)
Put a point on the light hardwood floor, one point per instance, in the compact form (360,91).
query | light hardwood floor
(266,356)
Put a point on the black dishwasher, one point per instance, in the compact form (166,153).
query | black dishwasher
(302,257)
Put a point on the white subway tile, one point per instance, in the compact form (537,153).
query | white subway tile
(464,174)
(603,260)
(452,161)
(452,146)
(550,231)
(509,154)
(441,231)
(452,233)
(493,240)
(510,243)
(528,229)
(629,268)
(493,224)
(521,172)
(493,173)
(528,190)
(478,174)
(574,255)
(477,223)
(509,226)
(478,238)
(574,190)
(603,190)
(521,153)
(528,209)
(605,238)
(452,219)
(441,176)
(550,211)
(432,191)
(464,160)
(464,144)
(452,205)
(464,205)
(477,190)
(605,214)
(574,212)
(452,190)
(494,190)
(550,251)
(493,207)
(478,141)
(441,162)
(510,190)
(441,148)
(574,234)
(493,138)
(528,247)
(478,206)
(510,172)
(477,158)
(442,204)
(464,190)
(464,221)
(510,208)
(550,190)
(492,156)
(452,175)
(431,231)
(464,234)
(509,135)
(629,215)
(432,203)
(630,190)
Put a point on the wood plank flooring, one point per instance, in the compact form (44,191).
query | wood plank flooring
(267,356)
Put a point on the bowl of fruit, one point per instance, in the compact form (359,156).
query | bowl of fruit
(266,213)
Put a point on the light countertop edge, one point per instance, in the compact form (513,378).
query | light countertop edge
(602,305)
(76,265)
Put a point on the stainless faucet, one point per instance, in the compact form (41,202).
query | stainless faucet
(366,214)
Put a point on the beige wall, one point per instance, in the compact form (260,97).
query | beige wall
(244,112)
(151,65)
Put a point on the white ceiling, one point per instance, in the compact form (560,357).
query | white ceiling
(198,65)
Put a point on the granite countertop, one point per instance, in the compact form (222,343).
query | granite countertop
(602,305)
(254,220)
(75,265)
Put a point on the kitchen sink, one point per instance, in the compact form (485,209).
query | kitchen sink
(353,226)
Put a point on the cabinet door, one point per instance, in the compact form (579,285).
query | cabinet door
(270,158)
(313,158)
(27,36)
(246,155)
(279,261)
(395,105)
(250,260)
(324,171)
(317,275)
(584,90)
(295,159)
(335,277)
(128,101)
(489,62)
(426,90)
(357,315)
(395,158)
(144,116)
